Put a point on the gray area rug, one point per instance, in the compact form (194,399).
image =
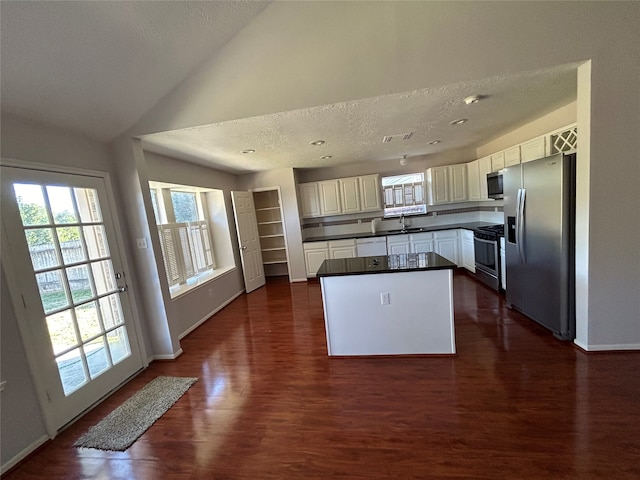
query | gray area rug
(118,430)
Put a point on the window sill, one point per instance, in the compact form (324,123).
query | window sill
(199,281)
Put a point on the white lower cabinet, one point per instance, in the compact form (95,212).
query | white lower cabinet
(398,244)
(317,252)
(446,244)
(342,248)
(371,247)
(466,250)
(421,242)
(314,254)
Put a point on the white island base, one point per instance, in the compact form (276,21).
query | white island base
(417,320)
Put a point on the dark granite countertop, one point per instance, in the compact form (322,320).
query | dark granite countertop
(433,228)
(380,264)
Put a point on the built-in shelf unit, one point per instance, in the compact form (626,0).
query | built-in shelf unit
(271,230)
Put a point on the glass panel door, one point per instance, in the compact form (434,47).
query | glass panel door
(65,229)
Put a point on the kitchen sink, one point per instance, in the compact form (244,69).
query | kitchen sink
(408,230)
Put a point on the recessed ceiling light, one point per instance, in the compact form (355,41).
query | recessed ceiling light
(317,142)
(435,142)
(326,157)
(249,150)
(458,122)
(472,99)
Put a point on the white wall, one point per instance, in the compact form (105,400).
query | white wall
(188,310)
(22,424)
(554,120)
(286,59)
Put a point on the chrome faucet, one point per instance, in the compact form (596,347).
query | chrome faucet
(402,222)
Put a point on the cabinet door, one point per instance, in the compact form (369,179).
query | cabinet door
(350,194)
(421,242)
(458,183)
(446,243)
(497,161)
(532,150)
(438,185)
(314,258)
(468,254)
(329,192)
(512,156)
(342,248)
(397,244)
(309,199)
(370,193)
(473,180)
(484,167)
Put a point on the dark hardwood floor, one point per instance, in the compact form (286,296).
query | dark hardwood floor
(515,403)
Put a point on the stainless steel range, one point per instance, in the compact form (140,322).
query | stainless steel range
(485,246)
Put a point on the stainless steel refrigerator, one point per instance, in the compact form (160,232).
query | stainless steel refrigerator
(539,210)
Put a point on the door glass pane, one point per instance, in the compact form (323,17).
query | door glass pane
(111,311)
(71,370)
(88,322)
(61,331)
(103,277)
(96,241)
(70,245)
(88,205)
(79,283)
(41,248)
(52,291)
(97,359)
(118,344)
(31,204)
(61,205)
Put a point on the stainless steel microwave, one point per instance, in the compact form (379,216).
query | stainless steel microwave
(494,185)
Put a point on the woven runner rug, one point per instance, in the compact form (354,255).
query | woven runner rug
(118,430)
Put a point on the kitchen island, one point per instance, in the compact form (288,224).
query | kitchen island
(388,305)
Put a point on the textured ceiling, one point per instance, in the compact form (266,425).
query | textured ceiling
(353,131)
(97,67)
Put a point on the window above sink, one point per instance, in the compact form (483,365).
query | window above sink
(404,195)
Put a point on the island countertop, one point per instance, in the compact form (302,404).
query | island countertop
(380,264)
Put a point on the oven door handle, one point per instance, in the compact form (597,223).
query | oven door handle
(522,192)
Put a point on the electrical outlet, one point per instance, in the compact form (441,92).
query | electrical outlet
(385,299)
(141,242)
(210,292)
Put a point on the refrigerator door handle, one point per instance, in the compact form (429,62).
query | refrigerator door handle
(520,224)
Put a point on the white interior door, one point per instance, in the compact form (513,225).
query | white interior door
(77,322)
(248,240)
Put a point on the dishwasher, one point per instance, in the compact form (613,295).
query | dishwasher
(371,247)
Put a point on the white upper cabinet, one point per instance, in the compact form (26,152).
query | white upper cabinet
(458,183)
(484,167)
(438,185)
(512,156)
(370,193)
(497,161)
(447,184)
(473,180)
(309,199)
(329,191)
(340,196)
(533,149)
(350,194)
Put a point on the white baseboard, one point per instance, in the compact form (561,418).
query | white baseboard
(293,280)
(23,454)
(209,315)
(168,356)
(608,348)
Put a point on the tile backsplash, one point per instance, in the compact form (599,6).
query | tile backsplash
(315,227)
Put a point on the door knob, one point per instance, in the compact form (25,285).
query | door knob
(244,247)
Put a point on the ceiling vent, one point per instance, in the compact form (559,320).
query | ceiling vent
(397,136)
